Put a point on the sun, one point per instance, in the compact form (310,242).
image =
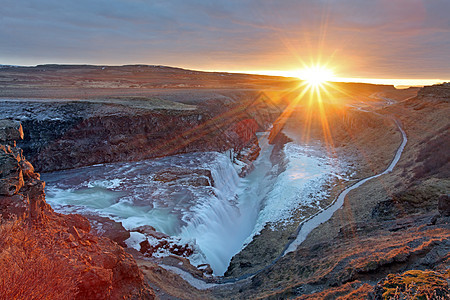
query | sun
(316,75)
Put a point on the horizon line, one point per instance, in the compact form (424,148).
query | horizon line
(396,82)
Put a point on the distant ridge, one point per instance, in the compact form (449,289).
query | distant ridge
(116,67)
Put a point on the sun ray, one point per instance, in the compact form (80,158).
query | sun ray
(316,75)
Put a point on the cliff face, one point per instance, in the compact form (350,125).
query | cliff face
(44,254)
(63,135)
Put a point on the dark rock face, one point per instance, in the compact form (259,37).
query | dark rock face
(247,155)
(21,190)
(100,268)
(64,135)
(11,176)
(10,131)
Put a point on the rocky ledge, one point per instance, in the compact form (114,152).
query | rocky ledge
(44,254)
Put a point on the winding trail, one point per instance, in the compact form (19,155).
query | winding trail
(315,220)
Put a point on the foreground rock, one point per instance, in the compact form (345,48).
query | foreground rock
(54,255)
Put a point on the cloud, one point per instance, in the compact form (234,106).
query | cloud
(367,38)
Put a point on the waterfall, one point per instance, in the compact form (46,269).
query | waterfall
(220,220)
(214,223)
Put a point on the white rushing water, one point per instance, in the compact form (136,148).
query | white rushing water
(219,220)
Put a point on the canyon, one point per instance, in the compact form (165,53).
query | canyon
(179,130)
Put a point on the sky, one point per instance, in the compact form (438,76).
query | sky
(383,39)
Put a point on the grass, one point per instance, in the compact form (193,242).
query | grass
(416,284)
(29,270)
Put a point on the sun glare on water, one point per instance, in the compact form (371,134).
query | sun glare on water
(316,75)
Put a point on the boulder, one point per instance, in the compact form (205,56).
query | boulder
(206,269)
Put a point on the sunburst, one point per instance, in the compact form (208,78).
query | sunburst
(315,76)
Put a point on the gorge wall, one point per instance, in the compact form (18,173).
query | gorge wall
(68,134)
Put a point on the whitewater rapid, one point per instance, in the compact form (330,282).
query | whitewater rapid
(218,220)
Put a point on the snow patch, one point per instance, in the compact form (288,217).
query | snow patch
(134,240)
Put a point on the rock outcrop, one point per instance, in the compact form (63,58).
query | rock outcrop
(21,190)
(96,268)
(105,227)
